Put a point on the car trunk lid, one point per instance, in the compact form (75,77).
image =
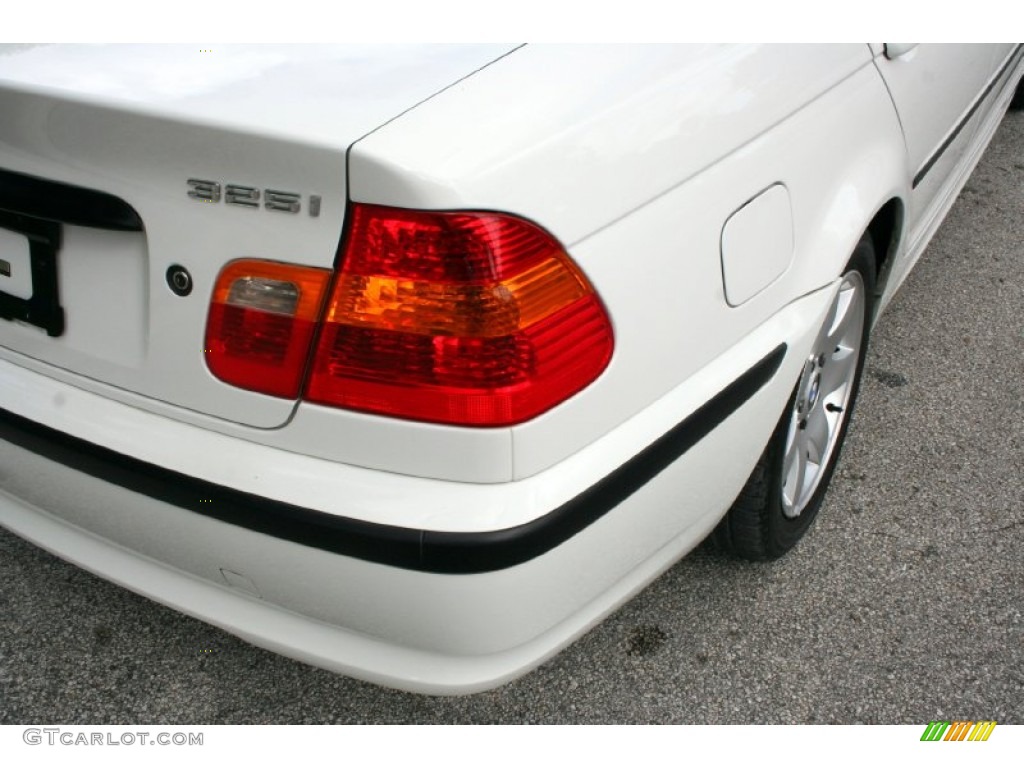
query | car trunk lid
(155,158)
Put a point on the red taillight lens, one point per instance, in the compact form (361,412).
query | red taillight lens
(261,324)
(458,318)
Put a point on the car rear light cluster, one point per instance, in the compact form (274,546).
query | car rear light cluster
(458,318)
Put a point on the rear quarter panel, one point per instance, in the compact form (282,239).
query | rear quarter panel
(636,158)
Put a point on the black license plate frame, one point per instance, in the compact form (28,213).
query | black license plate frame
(43,308)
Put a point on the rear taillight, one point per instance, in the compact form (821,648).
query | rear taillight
(457,318)
(262,319)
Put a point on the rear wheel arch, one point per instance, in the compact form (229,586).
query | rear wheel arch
(782,496)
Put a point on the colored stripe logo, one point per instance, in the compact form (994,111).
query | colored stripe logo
(958,730)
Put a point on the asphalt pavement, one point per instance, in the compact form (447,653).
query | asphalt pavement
(902,605)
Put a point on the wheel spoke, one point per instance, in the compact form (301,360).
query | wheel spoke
(817,434)
(838,372)
(794,473)
(844,330)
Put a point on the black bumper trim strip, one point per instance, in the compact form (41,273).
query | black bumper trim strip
(66,204)
(931,161)
(429,551)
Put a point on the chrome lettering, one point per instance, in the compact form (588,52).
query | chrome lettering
(203,190)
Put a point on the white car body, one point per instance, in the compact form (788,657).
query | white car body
(711,195)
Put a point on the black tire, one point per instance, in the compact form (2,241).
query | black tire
(763,523)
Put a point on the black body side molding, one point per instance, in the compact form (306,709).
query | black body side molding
(419,550)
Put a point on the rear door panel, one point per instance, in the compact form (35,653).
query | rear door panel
(934,87)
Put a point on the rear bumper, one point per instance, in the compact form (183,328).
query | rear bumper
(430,609)
(408,548)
